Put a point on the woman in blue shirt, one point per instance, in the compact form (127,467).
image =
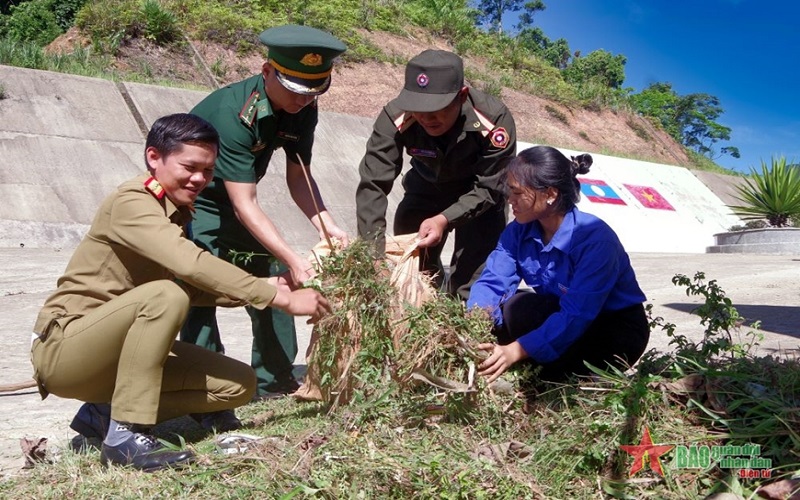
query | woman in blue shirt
(586,304)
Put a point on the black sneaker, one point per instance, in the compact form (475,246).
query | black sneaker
(278,389)
(92,420)
(219,421)
(144,452)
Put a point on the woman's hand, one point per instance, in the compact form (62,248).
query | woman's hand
(500,360)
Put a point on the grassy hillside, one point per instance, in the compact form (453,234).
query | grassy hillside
(204,44)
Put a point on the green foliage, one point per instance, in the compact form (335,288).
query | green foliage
(718,315)
(159,24)
(3,94)
(557,52)
(689,119)
(108,22)
(34,21)
(600,67)
(65,12)
(453,19)
(772,194)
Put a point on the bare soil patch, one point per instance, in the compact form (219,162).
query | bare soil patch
(361,89)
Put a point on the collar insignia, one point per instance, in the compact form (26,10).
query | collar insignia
(152,185)
(248,112)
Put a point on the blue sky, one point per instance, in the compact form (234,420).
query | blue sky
(745,52)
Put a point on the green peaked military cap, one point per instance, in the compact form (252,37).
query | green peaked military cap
(303,57)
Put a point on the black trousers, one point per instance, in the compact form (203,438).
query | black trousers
(474,240)
(612,335)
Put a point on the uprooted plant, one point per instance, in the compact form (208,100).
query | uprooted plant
(393,338)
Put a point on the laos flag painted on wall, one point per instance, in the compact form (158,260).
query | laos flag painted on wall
(599,192)
(649,197)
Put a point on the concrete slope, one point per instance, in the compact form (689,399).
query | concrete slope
(66,141)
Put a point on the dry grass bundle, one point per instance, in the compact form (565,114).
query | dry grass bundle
(390,329)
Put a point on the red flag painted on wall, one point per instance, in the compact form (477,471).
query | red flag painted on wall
(599,192)
(649,197)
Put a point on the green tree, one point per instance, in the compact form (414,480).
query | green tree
(491,12)
(529,10)
(557,52)
(599,66)
(689,119)
(33,21)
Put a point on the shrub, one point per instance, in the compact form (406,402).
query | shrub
(160,25)
(107,22)
(772,194)
(32,21)
(65,12)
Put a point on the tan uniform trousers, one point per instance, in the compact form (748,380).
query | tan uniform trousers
(125,352)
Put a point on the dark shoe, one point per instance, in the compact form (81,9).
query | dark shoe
(144,452)
(219,421)
(92,420)
(277,389)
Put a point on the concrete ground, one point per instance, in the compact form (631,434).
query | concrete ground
(762,287)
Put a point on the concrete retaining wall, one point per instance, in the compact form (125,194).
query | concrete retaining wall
(66,141)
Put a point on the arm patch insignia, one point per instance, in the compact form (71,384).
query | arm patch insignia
(499,138)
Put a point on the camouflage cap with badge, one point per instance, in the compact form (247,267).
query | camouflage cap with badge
(303,57)
(433,80)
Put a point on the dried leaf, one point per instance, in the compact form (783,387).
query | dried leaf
(34,450)
(785,489)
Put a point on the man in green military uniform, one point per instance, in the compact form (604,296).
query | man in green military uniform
(459,140)
(254,117)
(107,334)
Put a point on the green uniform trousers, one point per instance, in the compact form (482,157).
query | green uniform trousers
(124,352)
(274,336)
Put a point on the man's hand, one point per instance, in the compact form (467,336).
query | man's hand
(502,357)
(337,234)
(431,231)
(300,271)
(303,302)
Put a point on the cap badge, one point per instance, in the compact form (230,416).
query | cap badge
(422,80)
(311,59)
(499,137)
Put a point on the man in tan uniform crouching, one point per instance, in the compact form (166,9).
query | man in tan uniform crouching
(108,332)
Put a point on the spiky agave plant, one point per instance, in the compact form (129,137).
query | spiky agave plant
(772,194)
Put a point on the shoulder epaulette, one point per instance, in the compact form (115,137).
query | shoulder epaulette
(403,121)
(154,187)
(248,112)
